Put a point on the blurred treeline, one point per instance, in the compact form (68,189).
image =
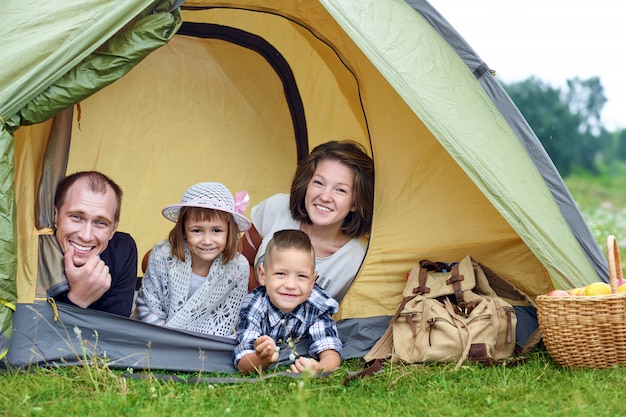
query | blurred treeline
(568,123)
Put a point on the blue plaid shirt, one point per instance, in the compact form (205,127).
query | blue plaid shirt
(312,318)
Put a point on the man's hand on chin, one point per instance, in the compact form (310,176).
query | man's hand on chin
(89,281)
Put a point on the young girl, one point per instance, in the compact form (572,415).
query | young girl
(197,278)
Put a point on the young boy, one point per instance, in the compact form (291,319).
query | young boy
(287,306)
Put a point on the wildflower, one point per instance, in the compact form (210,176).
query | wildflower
(291,344)
(77,332)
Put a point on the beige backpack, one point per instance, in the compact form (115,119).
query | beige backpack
(448,313)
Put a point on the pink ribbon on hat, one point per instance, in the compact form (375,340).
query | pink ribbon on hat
(242,200)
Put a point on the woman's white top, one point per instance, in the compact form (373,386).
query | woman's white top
(335,272)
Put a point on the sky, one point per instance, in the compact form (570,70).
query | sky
(554,40)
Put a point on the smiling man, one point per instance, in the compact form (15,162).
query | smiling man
(100,263)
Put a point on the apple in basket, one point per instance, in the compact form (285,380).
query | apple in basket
(558,293)
(577,291)
(621,288)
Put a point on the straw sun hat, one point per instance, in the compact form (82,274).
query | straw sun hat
(212,195)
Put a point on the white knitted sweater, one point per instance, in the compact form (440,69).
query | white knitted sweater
(213,309)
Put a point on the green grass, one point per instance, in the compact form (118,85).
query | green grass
(602,201)
(539,387)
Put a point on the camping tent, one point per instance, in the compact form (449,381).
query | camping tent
(238,94)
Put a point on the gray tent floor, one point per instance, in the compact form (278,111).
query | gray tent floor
(39,339)
(76,334)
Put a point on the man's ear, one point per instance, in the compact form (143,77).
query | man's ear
(115,226)
(261,274)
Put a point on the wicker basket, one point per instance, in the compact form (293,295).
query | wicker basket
(587,331)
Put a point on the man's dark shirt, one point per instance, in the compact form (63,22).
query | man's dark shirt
(121,258)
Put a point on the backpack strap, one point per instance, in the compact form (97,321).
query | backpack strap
(383,348)
(466,335)
(455,280)
(374,366)
(434,266)
(421,288)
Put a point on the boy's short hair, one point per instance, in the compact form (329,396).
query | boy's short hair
(288,239)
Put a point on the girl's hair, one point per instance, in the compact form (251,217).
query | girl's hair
(177,234)
(353,155)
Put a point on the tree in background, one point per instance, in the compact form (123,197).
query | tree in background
(586,98)
(567,123)
(621,145)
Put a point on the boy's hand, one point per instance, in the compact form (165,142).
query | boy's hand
(305,364)
(329,360)
(265,349)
